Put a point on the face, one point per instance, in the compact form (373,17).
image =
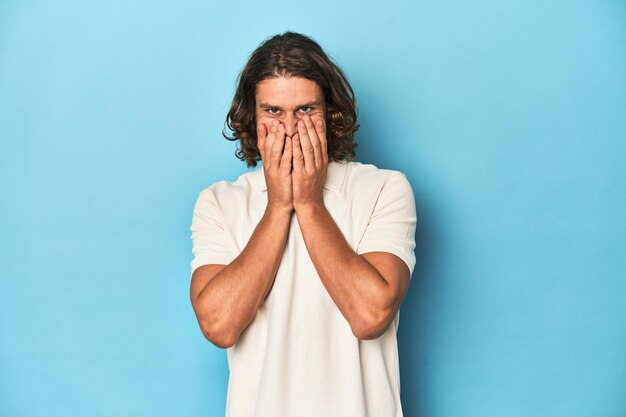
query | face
(288,99)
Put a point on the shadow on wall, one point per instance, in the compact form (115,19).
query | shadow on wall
(413,333)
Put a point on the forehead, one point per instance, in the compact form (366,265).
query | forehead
(287,91)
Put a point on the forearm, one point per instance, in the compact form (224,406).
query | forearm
(229,301)
(356,287)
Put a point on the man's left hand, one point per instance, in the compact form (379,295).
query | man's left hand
(310,163)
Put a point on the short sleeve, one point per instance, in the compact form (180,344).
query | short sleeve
(391,227)
(211,244)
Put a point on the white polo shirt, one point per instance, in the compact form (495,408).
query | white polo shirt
(298,357)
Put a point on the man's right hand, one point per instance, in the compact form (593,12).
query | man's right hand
(226,298)
(276,154)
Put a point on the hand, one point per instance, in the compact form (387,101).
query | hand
(310,163)
(276,156)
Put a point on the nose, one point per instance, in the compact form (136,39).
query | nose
(291,126)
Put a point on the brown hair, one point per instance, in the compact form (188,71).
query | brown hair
(293,54)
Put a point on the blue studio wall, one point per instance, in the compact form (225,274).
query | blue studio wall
(508,117)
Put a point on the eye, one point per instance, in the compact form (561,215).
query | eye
(305,109)
(274,111)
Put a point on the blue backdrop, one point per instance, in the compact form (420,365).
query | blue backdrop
(508,118)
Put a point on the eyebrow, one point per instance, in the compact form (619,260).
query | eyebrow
(308,104)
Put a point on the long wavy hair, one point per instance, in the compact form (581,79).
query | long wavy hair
(293,54)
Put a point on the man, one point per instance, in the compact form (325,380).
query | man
(300,266)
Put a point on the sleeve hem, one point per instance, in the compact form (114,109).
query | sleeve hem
(198,262)
(408,258)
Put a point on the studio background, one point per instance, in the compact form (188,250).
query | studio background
(508,118)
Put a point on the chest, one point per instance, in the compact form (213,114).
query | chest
(351,214)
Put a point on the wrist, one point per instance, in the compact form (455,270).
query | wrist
(308,207)
(278,210)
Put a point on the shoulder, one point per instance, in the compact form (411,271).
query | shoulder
(369,176)
(225,190)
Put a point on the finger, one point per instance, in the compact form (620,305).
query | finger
(307,148)
(320,128)
(315,142)
(298,158)
(285,161)
(261,133)
(278,146)
(269,141)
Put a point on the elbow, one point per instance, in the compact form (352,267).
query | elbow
(371,326)
(222,338)
(215,327)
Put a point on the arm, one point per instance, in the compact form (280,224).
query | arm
(368,289)
(226,298)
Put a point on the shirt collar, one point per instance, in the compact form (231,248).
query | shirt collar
(335,176)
